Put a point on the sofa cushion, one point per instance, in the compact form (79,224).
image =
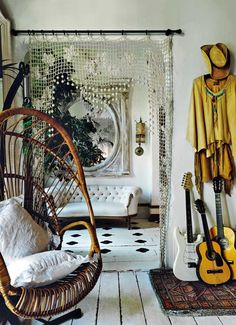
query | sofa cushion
(100,209)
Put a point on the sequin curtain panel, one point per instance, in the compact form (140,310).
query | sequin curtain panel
(89,64)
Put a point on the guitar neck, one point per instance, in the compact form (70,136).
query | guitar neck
(219,219)
(207,235)
(188,217)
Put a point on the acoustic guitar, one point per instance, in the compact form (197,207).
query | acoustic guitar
(212,267)
(225,236)
(186,259)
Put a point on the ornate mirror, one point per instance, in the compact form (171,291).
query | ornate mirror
(99,128)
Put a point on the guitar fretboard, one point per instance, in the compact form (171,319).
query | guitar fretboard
(188,217)
(219,219)
(207,235)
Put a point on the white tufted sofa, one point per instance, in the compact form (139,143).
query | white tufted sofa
(107,201)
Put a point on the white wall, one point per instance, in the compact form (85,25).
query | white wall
(138,96)
(203,22)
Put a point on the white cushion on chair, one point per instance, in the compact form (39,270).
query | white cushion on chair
(18,199)
(20,234)
(43,268)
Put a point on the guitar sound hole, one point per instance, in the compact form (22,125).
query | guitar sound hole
(211,257)
(215,257)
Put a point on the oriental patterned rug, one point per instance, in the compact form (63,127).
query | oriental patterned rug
(192,298)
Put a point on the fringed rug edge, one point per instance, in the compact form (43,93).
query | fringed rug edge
(190,312)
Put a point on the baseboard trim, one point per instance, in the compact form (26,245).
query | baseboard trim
(154,218)
(154,213)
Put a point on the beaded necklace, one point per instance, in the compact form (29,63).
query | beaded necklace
(214,99)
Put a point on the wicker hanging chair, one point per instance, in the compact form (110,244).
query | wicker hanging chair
(37,157)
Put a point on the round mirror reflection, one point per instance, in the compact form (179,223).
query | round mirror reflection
(99,133)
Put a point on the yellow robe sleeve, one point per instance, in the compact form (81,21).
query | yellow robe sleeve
(231,114)
(196,130)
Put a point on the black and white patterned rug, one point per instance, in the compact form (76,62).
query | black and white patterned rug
(122,249)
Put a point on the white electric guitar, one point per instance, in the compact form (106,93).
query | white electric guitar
(186,260)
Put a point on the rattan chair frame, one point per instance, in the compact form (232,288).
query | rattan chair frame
(62,295)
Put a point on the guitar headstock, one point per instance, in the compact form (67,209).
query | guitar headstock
(217,184)
(200,206)
(187,181)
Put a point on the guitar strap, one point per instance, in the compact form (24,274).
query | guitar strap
(221,163)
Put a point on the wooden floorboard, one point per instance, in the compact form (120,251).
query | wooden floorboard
(228,320)
(89,306)
(109,302)
(208,320)
(179,320)
(151,306)
(131,305)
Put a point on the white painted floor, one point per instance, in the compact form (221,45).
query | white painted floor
(127,298)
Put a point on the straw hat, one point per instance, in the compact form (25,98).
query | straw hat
(217,58)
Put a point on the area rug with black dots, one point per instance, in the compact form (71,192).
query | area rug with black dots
(192,298)
(122,249)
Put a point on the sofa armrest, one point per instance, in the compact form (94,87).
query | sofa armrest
(134,190)
(132,208)
(131,194)
(131,198)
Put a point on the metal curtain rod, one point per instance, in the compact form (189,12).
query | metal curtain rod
(16,32)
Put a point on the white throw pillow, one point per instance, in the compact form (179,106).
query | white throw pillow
(20,234)
(43,268)
(18,199)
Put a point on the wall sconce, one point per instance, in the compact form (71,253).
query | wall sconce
(140,136)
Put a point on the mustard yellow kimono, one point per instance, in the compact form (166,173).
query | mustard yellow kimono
(212,128)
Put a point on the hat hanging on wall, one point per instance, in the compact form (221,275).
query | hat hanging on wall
(217,58)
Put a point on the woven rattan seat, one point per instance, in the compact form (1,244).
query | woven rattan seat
(38,159)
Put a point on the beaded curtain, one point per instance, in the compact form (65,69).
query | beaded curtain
(91,65)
